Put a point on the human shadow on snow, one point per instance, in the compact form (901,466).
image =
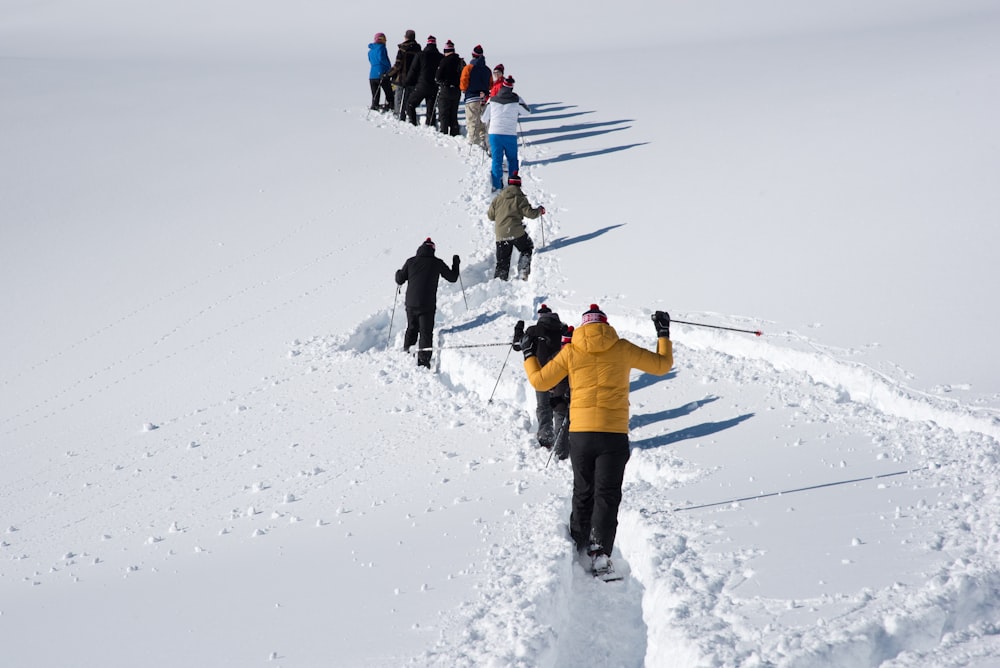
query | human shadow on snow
(551,107)
(647,379)
(645,419)
(579,127)
(698,431)
(573,155)
(563,242)
(478,321)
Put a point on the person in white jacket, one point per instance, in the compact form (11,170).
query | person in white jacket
(501,115)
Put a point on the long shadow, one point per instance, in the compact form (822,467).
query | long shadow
(557,117)
(547,107)
(578,135)
(479,321)
(563,242)
(647,379)
(700,431)
(637,421)
(572,128)
(573,155)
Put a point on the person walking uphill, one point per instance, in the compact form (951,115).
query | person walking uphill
(406,53)
(421,79)
(476,85)
(501,116)
(507,211)
(421,273)
(598,363)
(449,78)
(378,58)
(552,406)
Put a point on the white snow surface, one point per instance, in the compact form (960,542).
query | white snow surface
(215,453)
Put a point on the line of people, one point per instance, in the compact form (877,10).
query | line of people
(441,81)
(580,375)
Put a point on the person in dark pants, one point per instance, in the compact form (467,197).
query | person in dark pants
(551,406)
(405,55)
(421,80)
(598,364)
(507,211)
(449,79)
(378,59)
(421,273)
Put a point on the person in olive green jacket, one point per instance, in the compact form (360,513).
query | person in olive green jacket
(598,363)
(507,211)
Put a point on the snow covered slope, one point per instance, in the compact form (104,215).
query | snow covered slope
(214,452)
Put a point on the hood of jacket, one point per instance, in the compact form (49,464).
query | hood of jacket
(506,95)
(594,337)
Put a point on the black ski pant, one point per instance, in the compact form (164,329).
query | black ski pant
(553,414)
(385,86)
(447,103)
(418,95)
(506,248)
(419,324)
(599,460)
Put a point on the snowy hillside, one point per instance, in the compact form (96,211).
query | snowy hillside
(215,452)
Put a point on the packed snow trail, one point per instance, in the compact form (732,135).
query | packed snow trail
(710,593)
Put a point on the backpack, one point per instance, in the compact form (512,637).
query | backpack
(463,83)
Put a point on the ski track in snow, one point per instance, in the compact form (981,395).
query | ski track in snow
(682,604)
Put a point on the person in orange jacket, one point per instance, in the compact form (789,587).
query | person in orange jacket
(598,364)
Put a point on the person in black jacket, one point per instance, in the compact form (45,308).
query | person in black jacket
(449,76)
(421,79)
(406,53)
(552,406)
(422,272)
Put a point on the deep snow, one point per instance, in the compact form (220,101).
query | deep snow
(210,458)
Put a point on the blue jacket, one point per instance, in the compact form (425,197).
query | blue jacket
(479,78)
(379,59)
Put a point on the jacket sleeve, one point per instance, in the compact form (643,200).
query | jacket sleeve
(544,378)
(525,209)
(446,272)
(657,363)
(402,274)
(492,212)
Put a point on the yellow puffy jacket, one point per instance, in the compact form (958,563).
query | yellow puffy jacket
(598,364)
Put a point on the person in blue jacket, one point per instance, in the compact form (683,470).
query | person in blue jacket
(476,81)
(378,58)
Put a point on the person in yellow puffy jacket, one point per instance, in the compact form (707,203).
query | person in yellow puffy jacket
(598,364)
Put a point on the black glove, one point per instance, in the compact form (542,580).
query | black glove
(529,345)
(661,319)
(454,262)
(518,335)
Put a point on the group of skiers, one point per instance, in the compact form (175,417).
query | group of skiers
(441,81)
(580,375)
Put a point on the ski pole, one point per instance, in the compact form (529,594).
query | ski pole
(463,291)
(466,345)
(392,317)
(562,428)
(541,228)
(490,401)
(755,332)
